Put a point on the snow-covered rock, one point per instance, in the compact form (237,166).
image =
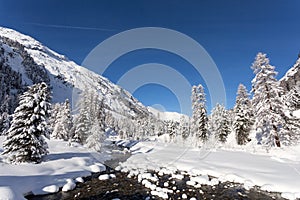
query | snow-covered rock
(79,180)
(70,185)
(97,168)
(104,177)
(184,196)
(51,189)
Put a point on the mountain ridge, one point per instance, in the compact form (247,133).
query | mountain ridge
(33,62)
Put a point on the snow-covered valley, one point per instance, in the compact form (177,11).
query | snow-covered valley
(273,171)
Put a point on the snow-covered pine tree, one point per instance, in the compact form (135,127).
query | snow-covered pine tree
(172,129)
(63,122)
(82,122)
(25,138)
(4,123)
(270,119)
(55,108)
(123,129)
(95,139)
(184,127)
(151,126)
(292,98)
(5,118)
(161,128)
(219,123)
(199,117)
(97,130)
(243,115)
(109,120)
(91,116)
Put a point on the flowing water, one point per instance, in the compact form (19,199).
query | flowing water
(123,187)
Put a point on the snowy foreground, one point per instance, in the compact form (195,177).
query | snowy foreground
(276,171)
(63,167)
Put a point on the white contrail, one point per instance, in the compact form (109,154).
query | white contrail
(71,27)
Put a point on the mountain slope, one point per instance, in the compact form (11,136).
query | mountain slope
(29,62)
(168,116)
(292,77)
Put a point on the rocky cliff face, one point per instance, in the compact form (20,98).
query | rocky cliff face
(292,77)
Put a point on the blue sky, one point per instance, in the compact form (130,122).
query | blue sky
(232,32)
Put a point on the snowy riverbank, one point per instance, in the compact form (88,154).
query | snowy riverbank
(276,171)
(60,168)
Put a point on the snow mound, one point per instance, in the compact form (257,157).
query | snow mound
(79,180)
(97,168)
(248,184)
(203,179)
(106,176)
(297,113)
(6,193)
(70,185)
(51,189)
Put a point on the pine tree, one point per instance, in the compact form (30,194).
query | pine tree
(25,138)
(55,108)
(172,130)
(90,122)
(82,122)
(184,127)
(96,138)
(243,115)
(270,119)
(292,98)
(4,123)
(200,120)
(161,128)
(97,131)
(219,123)
(63,124)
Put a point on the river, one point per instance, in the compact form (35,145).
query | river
(123,187)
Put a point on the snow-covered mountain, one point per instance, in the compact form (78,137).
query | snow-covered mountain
(25,61)
(167,116)
(292,76)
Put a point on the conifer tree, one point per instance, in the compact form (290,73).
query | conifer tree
(184,127)
(270,119)
(63,122)
(25,138)
(292,98)
(97,131)
(219,123)
(82,120)
(243,116)
(200,120)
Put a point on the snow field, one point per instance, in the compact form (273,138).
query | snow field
(62,168)
(276,171)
